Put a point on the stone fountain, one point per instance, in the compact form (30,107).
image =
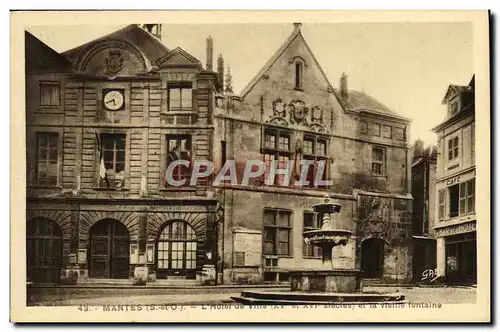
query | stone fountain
(327,285)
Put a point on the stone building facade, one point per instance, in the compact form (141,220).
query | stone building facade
(104,120)
(290,111)
(423,189)
(455,213)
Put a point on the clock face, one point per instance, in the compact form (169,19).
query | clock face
(113,100)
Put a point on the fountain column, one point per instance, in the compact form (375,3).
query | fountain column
(327,279)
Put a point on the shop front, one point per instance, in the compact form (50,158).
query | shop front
(459,259)
(461,256)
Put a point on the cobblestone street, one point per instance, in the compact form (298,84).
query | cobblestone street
(131,296)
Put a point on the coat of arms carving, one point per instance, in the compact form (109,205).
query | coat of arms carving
(279,108)
(298,111)
(114,62)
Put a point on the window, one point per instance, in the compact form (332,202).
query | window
(315,149)
(47,159)
(378,161)
(363,127)
(387,131)
(112,161)
(308,146)
(179,148)
(467,201)
(49,94)
(180,97)
(276,147)
(453,148)
(374,129)
(441,203)
(473,143)
(454,107)
(277,232)
(311,223)
(453,193)
(399,133)
(298,75)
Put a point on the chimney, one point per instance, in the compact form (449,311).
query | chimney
(210,53)
(154,29)
(344,92)
(220,71)
(229,81)
(297,26)
(418,149)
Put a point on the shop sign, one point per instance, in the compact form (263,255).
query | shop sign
(453,180)
(456,229)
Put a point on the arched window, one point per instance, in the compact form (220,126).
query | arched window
(298,74)
(176,248)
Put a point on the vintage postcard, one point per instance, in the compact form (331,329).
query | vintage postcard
(250,166)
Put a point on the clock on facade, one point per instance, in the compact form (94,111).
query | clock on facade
(113,99)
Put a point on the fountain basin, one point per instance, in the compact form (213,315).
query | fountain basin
(335,280)
(327,207)
(333,237)
(319,298)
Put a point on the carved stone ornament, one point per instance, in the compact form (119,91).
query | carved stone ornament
(375,219)
(317,114)
(279,108)
(298,111)
(279,114)
(114,62)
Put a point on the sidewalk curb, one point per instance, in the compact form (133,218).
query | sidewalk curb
(126,286)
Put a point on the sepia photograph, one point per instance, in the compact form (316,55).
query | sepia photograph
(250,168)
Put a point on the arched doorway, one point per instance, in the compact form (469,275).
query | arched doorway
(109,250)
(176,250)
(43,251)
(372,258)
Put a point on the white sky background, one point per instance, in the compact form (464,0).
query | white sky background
(406,66)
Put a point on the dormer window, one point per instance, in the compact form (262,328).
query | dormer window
(454,107)
(298,75)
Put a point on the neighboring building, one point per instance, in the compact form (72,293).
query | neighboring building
(290,111)
(423,187)
(104,120)
(455,226)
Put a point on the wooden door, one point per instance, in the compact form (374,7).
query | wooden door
(372,258)
(109,250)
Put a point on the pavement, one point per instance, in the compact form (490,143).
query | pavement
(58,296)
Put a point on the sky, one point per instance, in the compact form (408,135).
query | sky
(406,66)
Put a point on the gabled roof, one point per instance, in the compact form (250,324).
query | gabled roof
(148,44)
(178,57)
(358,100)
(40,57)
(472,82)
(455,89)
(295,34)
